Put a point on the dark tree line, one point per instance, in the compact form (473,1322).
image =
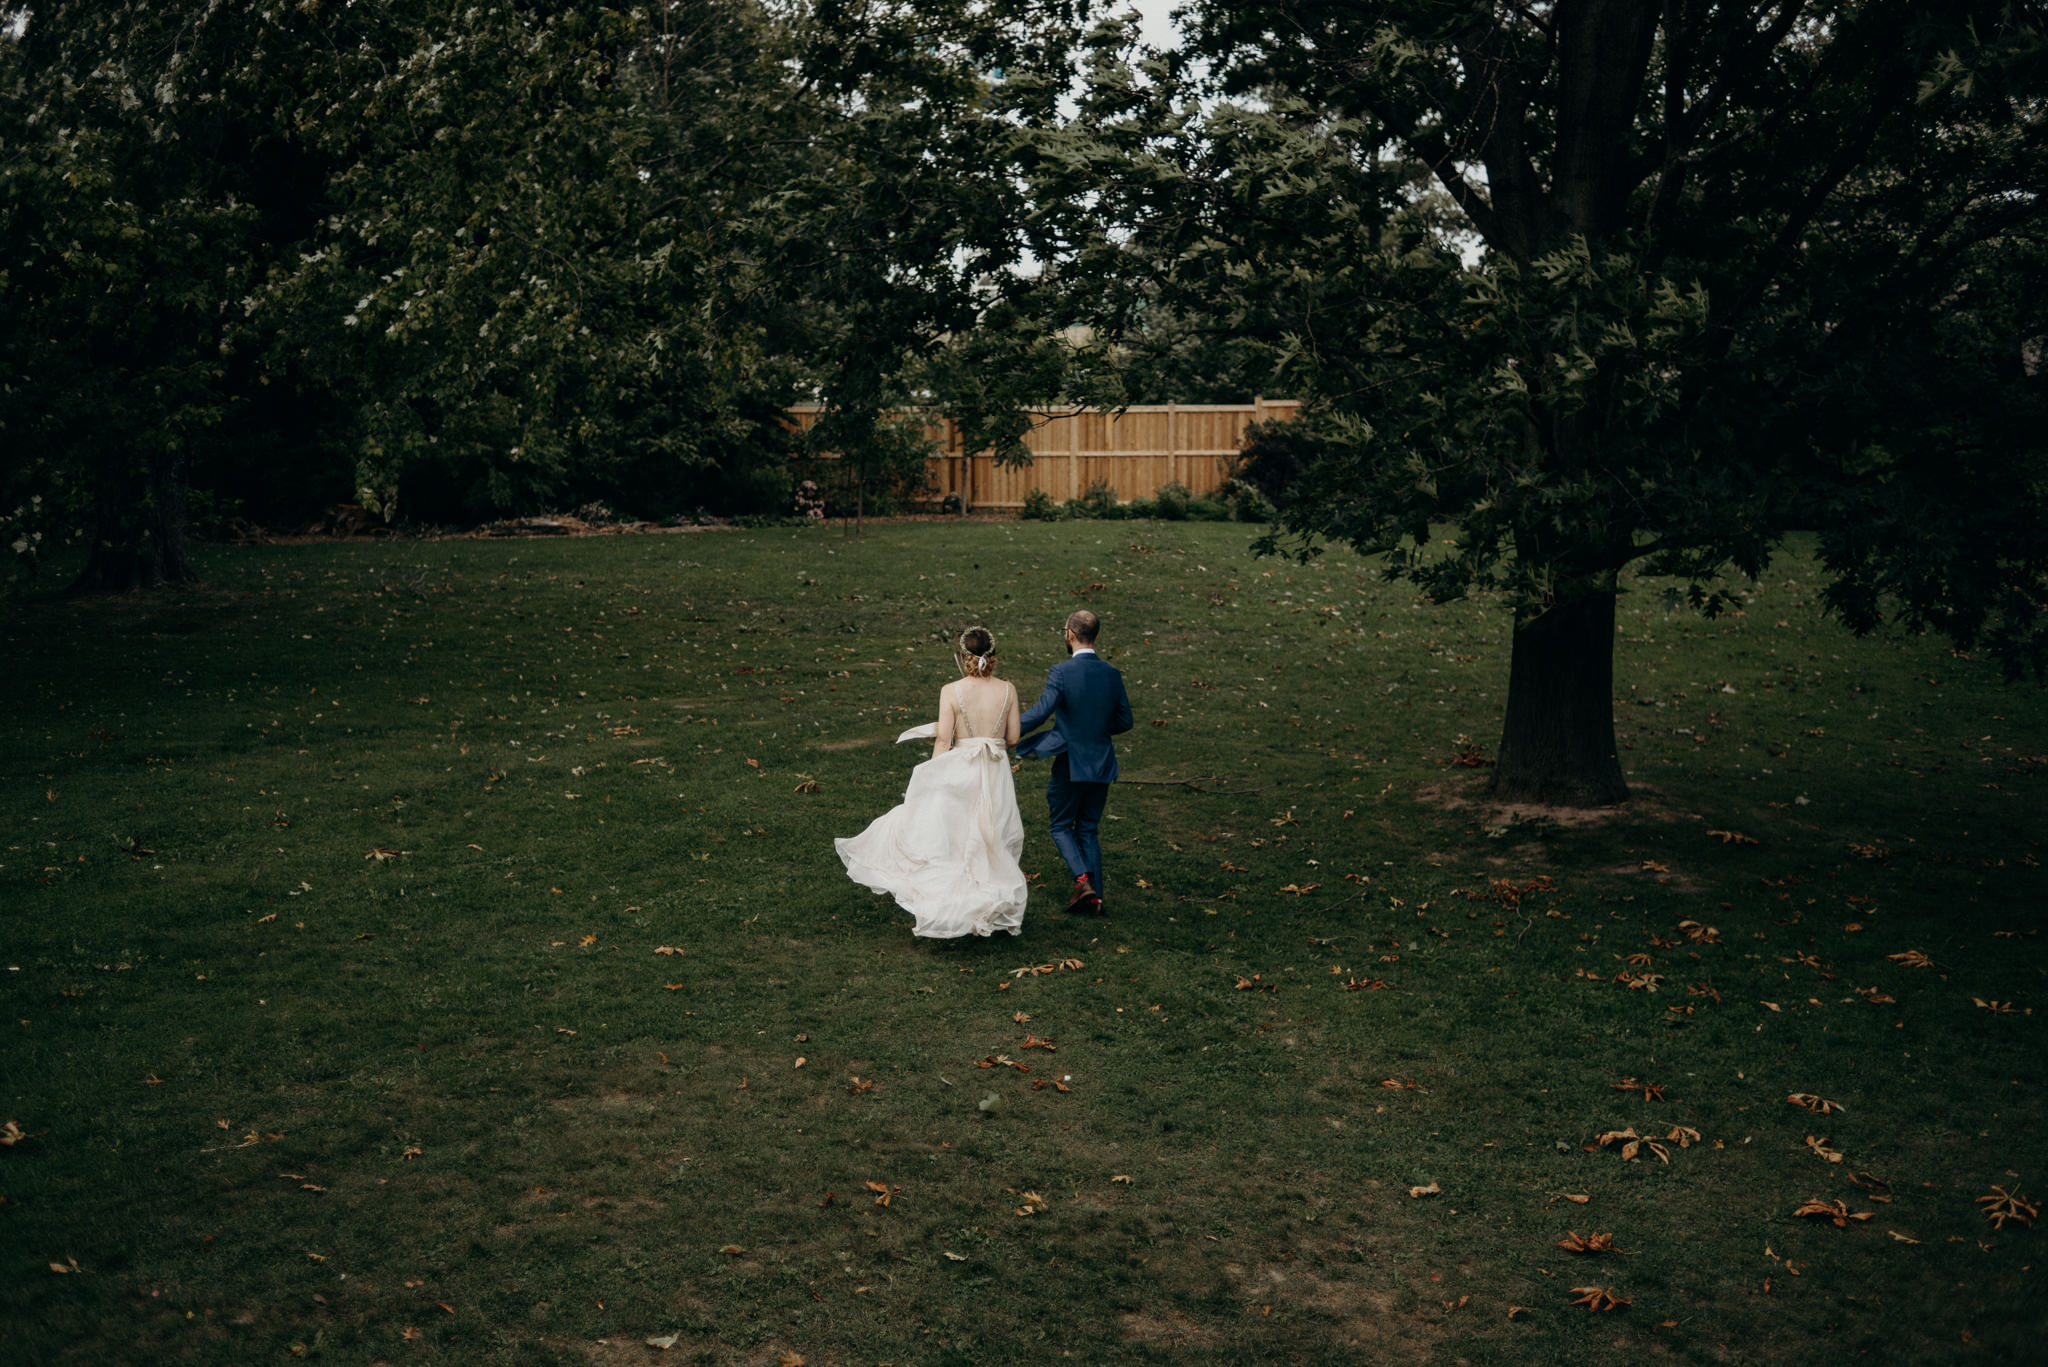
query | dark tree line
(1598,287)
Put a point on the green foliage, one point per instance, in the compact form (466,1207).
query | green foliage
(1039,506)
(1678,321)
(1170,502)
(1098,502)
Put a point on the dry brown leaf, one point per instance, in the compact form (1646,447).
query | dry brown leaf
(1685,1136)
(1431,1190)
(857,1084)
(1579,1200)
(1911,958)
(1033,1203)
(1901,1237)
(1875,997)
(1998,1008)
(1365,985)
(732,1250)
(1836,1211)
(1735,838)
(1821,1149)
(1819,1105)
(1575,1242)
(12,1134)
(884,1193)
(1652,1091)
(1596,1298)
(667,949)
(2001,1205)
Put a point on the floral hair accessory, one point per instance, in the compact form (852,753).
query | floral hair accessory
(977,650)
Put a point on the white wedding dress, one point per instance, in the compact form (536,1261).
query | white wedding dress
(948,852)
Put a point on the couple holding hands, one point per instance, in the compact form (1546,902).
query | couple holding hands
(948,852)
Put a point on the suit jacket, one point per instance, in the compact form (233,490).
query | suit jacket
(1085,698)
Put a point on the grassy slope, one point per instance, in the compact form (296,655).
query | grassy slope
(288,1098)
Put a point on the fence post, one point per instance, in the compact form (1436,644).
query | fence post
(1074,454)
(1172,445)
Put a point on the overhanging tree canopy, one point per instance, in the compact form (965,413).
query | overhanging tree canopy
(1733,269)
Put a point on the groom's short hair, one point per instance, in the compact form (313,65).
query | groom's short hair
(1084,624)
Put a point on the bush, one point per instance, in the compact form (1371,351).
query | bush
(1247,503)
(1039,507)
(1170,504)
(1206,509)
(1138,508)
(1099,503)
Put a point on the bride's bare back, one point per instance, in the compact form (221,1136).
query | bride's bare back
(976,707)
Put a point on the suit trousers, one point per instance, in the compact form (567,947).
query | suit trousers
(1076,811)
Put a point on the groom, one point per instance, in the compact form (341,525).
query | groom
(1085,697)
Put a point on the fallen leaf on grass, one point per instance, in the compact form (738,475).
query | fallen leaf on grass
(1297,890)
(1814,1208)
(664,1341)
(858,1084)
(805,784)
(1124,1178)
(884,1193)
(1596,1298)
(1699,934)
(1033,1203)
(1002,1061)
(382,853)
(732,1250)
(1395,1084)
(956,1257)
(2001,1206)
(1998,1008)
(1911,958)
(12,1134)
(1365,985)
(587,941)
(1876,998)
(409,1333)
(1735,838)
(1032,970)
(1431,1190)
(1652,1091)
(66,1268)
(1579,1200)
(1901,1237)
(667,949)
(1037,1042)
(1575,1242)
(1819,1105)
(1821,1149)
(1879,1189)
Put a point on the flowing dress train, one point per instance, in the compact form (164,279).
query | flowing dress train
(948,852)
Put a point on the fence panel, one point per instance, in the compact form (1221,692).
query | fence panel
(1133,451)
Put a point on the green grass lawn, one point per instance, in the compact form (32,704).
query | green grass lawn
(436,952)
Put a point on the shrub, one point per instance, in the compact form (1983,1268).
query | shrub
(1170,504)
(1039,507)
(1206,509)
(1247,503)
(1139,508)
(1099,502)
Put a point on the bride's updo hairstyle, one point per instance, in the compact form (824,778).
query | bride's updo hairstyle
(977,651)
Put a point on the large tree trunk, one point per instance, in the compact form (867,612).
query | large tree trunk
(1557,744)
(138,527)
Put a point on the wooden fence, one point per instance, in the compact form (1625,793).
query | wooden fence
(1133,451)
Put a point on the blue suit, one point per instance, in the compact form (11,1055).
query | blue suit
(1084,696)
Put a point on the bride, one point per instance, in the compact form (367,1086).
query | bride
(948,852)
